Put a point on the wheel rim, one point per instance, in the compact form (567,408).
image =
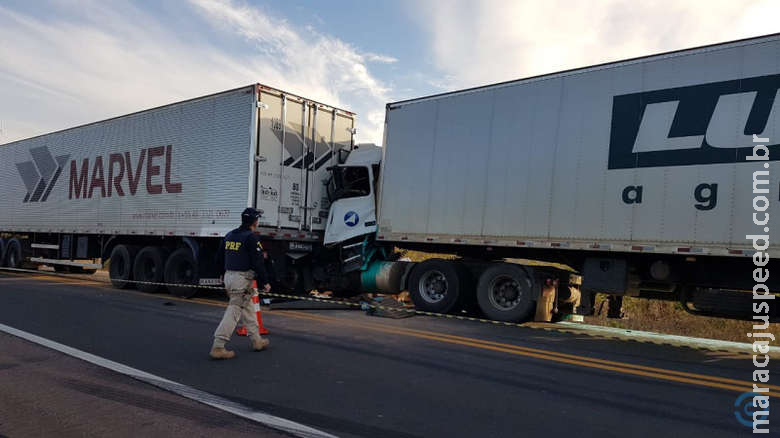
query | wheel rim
(184,272)
(505,293)
(433,286)
(290,279)
(150,268)
(121,268)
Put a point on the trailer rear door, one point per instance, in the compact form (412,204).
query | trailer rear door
(298,140)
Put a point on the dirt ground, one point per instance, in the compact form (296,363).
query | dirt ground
(669,317)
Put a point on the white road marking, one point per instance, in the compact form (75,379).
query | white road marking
(191,393)
(660,338)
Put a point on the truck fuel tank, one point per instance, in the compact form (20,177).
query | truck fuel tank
(385,277)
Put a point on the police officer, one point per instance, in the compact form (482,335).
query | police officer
(242,257)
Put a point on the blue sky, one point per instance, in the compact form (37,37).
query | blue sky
(67,62)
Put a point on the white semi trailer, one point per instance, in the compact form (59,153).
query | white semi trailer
(154,191)
(636,174)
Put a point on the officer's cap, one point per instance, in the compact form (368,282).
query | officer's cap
(249,216)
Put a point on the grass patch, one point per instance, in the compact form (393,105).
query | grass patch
(670,318)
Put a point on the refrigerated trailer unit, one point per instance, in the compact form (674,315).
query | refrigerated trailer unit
(154,191)
(631,178)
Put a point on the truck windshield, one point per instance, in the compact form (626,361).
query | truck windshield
(348,182)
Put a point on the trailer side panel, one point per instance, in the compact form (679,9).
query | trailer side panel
(645,155)
(179,170)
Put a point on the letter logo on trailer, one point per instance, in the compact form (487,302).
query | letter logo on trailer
(294,144)
(700,124)
(40,175)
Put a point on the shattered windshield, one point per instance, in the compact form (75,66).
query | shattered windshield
(348,182)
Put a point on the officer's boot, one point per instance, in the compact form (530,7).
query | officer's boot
(259,343)
(221,353)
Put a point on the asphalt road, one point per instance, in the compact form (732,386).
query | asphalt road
(47,393)
(355,375)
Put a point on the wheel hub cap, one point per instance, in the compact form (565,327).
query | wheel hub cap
(433,286)
(505,293)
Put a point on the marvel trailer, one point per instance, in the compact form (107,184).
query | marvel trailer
(154,191)
(650,177)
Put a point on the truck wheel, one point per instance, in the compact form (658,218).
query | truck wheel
(290,280)
(120,268)
(434,286)
(13,254)
(181,268)
(3,245)
(504,293)
(149,266)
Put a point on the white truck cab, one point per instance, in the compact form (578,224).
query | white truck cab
(352,193)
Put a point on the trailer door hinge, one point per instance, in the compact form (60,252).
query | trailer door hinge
(260,158)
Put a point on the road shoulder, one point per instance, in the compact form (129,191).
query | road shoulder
(47,393)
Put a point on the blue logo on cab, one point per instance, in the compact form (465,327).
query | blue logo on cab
(351,219)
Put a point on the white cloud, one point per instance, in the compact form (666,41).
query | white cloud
(315,65)
(114,58)
(382,59)
(474,43)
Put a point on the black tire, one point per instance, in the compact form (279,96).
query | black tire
(435,285)
(289,276)
(290,280)
(149,265)
(3,246)
(505,293)
(13,254)
(181,268)
(62,269)
(120,268)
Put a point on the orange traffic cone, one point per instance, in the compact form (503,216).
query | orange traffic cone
(241,330)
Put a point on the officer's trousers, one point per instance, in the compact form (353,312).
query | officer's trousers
(238,285)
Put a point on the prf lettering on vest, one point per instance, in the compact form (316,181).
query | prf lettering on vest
(233,246)
(120,169)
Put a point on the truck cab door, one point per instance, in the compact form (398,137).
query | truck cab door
(353,206)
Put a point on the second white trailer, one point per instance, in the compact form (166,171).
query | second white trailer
(651,177)
(652,154)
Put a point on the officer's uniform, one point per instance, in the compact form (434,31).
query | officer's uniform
(241,254)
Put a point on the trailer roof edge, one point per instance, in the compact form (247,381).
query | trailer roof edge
(678,52)
(249,87)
